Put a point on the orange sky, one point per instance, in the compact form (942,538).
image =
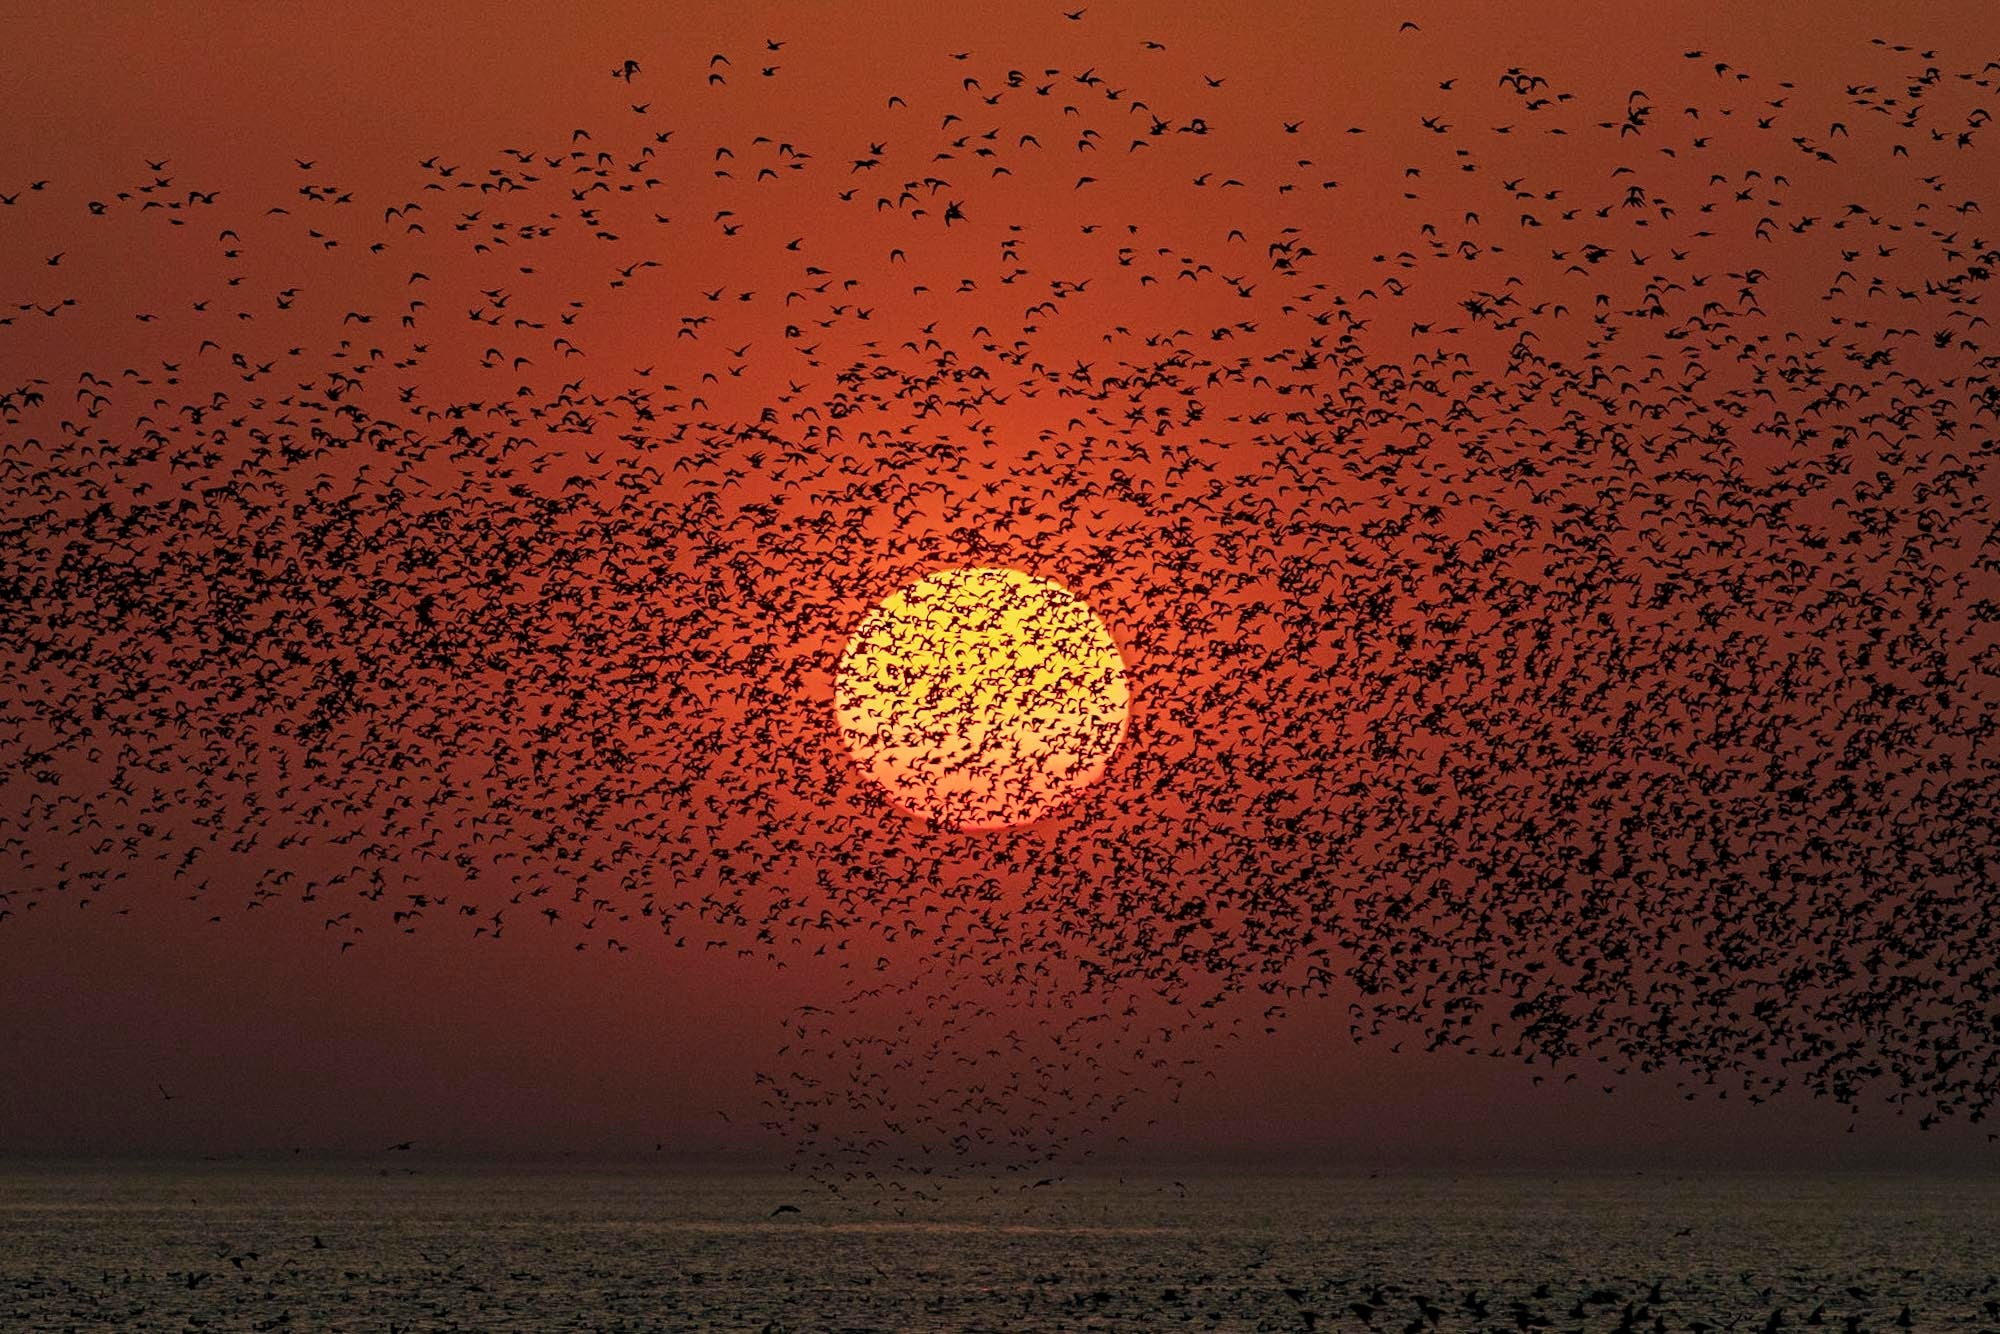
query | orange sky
(269,1037)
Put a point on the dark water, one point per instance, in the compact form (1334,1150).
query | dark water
(232,1247)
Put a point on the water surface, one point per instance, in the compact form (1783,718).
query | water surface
(348,1247)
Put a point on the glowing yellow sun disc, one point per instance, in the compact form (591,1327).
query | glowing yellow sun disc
(981,698)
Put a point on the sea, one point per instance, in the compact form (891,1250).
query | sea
(360,1246)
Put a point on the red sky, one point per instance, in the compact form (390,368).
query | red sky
(268,1037)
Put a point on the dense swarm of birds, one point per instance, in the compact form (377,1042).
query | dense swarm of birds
(1552,545)
(980,698)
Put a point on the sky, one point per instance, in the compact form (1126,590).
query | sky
(528,597)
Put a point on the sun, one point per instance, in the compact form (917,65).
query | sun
(981,698)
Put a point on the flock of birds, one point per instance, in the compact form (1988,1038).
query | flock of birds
(1551,542)
(981,698)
